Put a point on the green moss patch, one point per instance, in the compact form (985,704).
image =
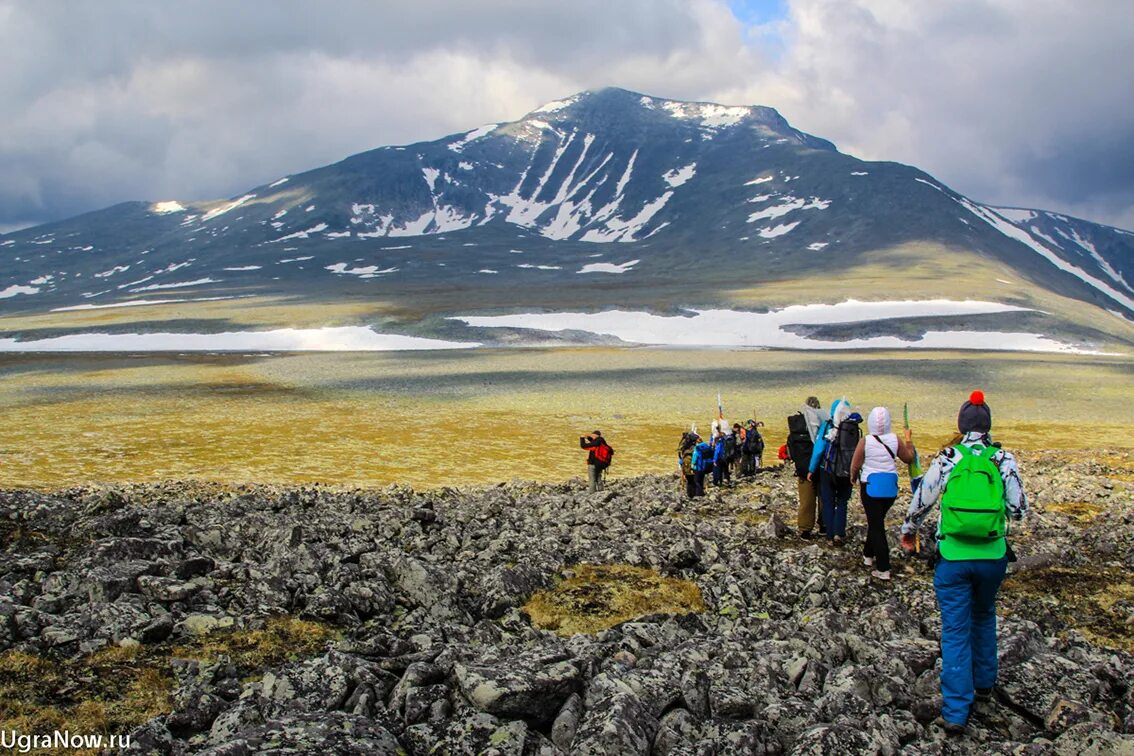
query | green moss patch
(590,598)
(1096,602)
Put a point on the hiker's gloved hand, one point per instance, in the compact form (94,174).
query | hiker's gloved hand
(909,543)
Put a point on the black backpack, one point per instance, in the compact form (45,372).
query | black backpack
(799,443)
(841,451)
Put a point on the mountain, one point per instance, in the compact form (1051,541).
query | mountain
(607,198)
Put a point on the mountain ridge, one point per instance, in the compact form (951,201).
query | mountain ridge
(602,193)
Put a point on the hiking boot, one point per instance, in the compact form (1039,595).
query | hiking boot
(838,540)
(806,535)
(983,695)
(868,561)
(880,574)
(951,728)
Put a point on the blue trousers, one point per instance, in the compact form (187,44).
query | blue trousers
(834,493)
(966,594)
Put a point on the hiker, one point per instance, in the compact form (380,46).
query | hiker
(720,459)
(739,435)
(815,416)
(685,462)
(830,465)
(598,459)
(810,513)
(978,486)
(798,449)
(702,463)
(875,462)
(753,450)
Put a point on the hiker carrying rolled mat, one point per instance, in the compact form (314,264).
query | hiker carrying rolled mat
(803,427)
(830,465)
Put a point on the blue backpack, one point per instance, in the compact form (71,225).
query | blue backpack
(702,457)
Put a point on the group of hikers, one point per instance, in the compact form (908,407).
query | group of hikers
(975,483)
(730,451)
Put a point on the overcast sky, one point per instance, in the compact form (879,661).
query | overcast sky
(1015,102)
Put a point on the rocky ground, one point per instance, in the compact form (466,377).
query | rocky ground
(212,619)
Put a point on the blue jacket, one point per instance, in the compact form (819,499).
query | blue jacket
(719,451)
(821,437)
(702,457)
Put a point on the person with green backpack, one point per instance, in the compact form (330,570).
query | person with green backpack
(977,485)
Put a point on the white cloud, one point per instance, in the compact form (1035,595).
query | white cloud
(1009,101)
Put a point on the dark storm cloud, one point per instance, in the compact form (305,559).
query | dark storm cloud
(1012,102)
(113,100)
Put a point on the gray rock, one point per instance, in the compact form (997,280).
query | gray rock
(615,722)
(566,722)
(1092,739)
(518,689)
(1036,684)
(828,739)
(677,731)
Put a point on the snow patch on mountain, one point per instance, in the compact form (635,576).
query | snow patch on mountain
(679,176)
(302,234)
(773,231)
(608,267)
(709,115)
(472,136)
(1015,214)
(556,105)
(15,289)
(218,211)
(164,208)
(789,204)
(369,271)
(178,285)
(114,305)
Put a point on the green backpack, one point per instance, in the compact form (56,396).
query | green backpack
(973,522)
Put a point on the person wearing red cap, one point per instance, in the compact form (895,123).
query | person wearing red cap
(977,485)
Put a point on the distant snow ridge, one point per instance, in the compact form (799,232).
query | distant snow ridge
(331,339)
(773,329)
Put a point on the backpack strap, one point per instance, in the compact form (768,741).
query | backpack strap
(887,448)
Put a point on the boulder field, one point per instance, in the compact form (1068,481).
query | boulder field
(531,618)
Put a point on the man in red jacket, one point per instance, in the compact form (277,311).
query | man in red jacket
(598,459)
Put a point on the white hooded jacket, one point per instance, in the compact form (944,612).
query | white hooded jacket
(881,445)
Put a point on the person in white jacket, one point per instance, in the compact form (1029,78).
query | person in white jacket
(875,465)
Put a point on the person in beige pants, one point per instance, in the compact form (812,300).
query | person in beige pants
(800,453)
